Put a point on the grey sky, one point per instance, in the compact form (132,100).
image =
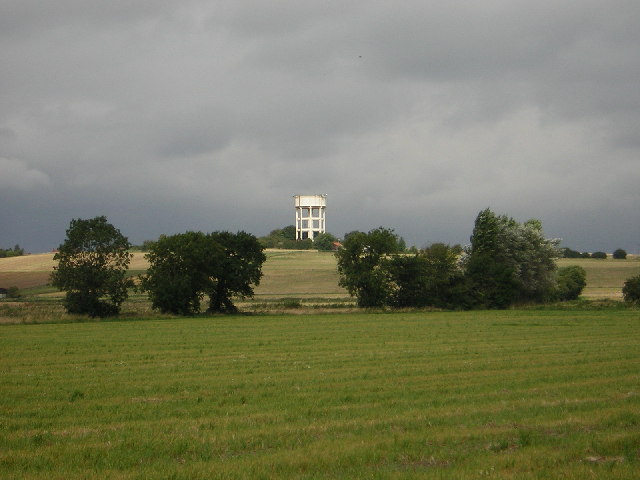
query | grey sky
(209,115)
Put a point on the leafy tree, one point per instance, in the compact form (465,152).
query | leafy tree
(183,268)
(239,270)
(402,245)
(324,242)
(179,272)
(599,255)
(631,290)
(92,268)
(285,238)
(570,281)
(508,261)
(492,283)
(409,279)
(446,287)
(289,232)
(362,265)
(432,277)
(346,235)
(620,254)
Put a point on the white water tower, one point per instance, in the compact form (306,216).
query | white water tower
(310,215)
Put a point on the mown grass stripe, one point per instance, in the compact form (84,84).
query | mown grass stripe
(524,394)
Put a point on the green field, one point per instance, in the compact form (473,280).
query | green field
(510,394)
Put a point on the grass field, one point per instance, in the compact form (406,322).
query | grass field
(510,394)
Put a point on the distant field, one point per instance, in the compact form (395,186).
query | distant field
(27,271)
(605,278)
(302,274)
(312,275)
(508,394)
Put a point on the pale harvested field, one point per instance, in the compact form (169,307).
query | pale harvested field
(605,278)
(300,273)
(33,270)
(312,274)
(27,271)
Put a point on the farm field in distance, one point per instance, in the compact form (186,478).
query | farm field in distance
(501,394)
(309,275)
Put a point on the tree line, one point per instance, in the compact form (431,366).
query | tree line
(618,254)
(16,251)
(285,238)
(506,263)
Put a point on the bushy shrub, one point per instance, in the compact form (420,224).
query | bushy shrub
(570,281)
(631,290)
(324,242)
(599,255)
(620,254)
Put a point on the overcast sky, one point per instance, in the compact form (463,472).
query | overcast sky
(169,116)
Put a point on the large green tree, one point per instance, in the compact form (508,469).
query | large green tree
(180,267)
(362,265)
(184,268)
(509,262)
(432,277)
(92,267)
(238,272)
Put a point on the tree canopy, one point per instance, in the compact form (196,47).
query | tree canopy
(324,242)
(362,266)
(184,268)
(285,237)
(431,277)
(240,269)
(570,280)
(620,254)
(631,290)
(507,262)
(92,267)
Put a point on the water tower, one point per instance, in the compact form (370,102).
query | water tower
(310,215)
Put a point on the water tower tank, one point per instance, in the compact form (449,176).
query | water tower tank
(310,215)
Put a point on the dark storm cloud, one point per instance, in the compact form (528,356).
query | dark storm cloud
(210,115)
